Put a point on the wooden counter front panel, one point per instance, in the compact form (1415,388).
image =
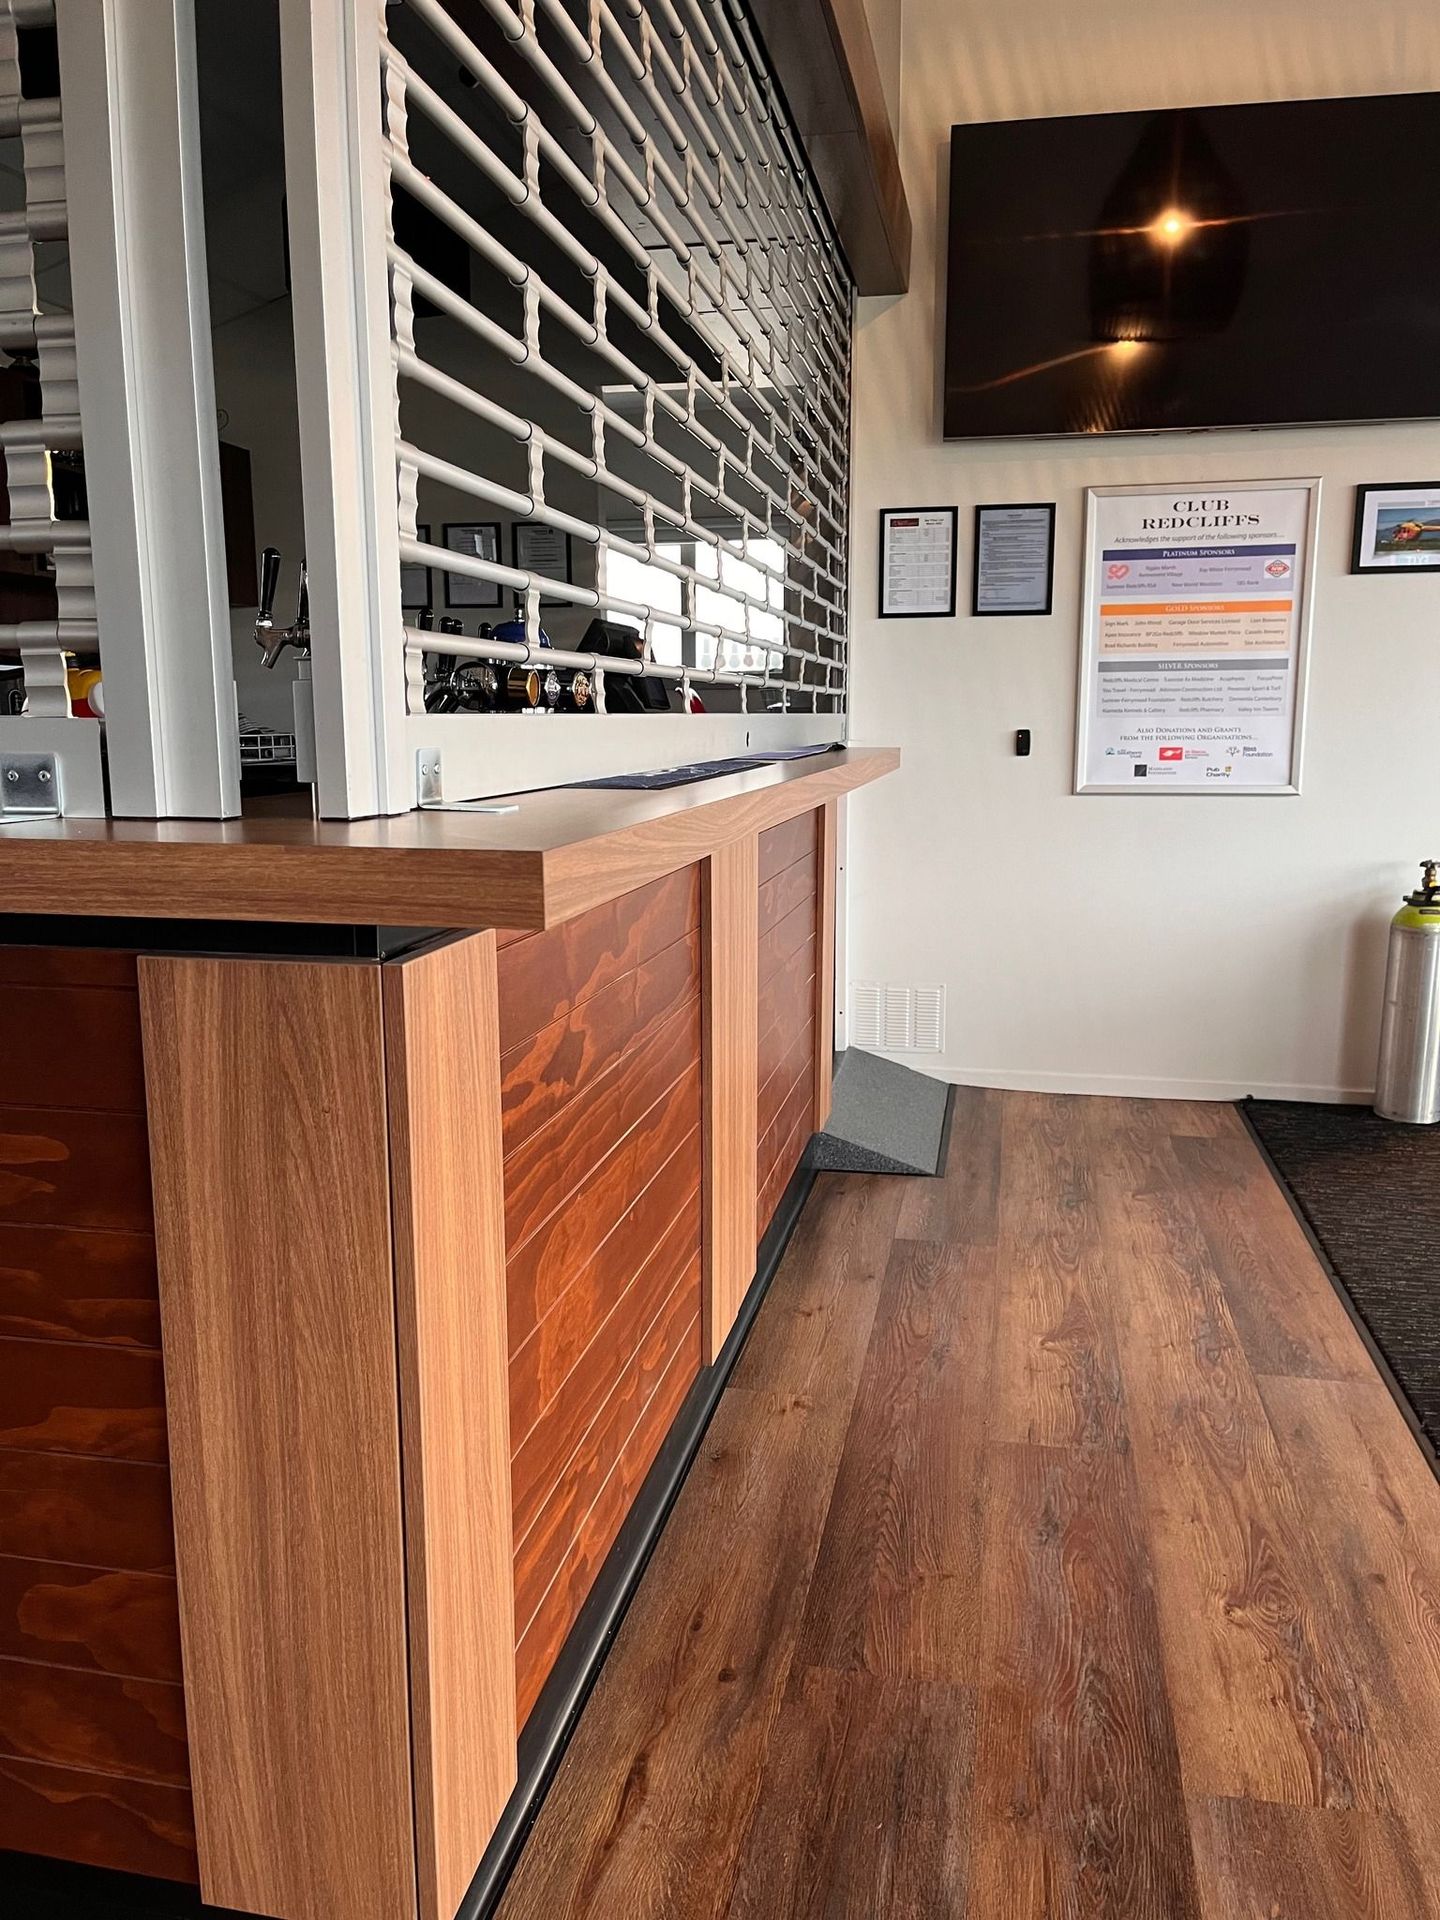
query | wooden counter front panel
(600,1109)
(93,1757)
(787,960)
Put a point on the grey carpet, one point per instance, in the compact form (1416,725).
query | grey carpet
(884,1118)
(1370,1189)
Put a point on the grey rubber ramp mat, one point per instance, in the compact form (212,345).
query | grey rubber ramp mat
(884,1118)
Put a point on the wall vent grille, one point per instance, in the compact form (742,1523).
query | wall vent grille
(893,1019)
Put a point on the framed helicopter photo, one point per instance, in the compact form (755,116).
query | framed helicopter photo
(1397,528)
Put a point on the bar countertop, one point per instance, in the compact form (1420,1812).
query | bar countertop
(563,850)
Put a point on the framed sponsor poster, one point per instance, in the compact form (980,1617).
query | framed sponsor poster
(917,562)
(1397,528)
(1195,637)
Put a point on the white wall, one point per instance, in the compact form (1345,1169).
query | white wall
(1188,946)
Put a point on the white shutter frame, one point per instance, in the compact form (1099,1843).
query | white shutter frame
(147,404)
(337,189)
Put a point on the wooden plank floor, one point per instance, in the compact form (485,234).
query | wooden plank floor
(1055,1553)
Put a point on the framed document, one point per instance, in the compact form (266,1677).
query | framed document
(543,550)
(1397,529)
(415,583)
(1014,570)
(917,562)
(482,539)
(1195,637)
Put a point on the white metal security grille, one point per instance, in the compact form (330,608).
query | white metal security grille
(37,451)
(656,299)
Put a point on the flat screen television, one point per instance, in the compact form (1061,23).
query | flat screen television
(1204,267)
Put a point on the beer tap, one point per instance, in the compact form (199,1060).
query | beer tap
(271,639)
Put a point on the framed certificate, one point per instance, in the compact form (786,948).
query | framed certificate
(481,538)
(917,562)
(1014,569)
(543,550)
(416,588)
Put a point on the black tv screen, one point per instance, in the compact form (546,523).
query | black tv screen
(1202,267)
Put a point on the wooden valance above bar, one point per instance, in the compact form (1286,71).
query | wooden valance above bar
(824,58)
(563,851)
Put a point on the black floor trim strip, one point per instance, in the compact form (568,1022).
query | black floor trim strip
(1381,1364)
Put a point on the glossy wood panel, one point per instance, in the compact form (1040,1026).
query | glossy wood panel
(572,1246)
(548,1449)
(603,1227)
(732,882)
(93,1513)
(90,1714)
(783,845)
(590,1532)
(72,1169)
(442,1064)
(545,1361)
(60,1396)
(98,1819)
(63,1283)
(274,1234)
(540,1173)
(542,1074)
(52,967)
(126,1623)
(97,1722)
(542,981)
(67,1046)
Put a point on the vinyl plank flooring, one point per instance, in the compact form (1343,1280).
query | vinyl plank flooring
(1267,1267)
(1300,1863)
(1055,1553)
(1257,1640)
(1079,1805)
(1056,1377)
(895,1588)
(864,1804)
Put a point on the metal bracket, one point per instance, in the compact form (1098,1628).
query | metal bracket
(29,786)
(430,790)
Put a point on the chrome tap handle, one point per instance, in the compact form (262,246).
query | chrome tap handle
(269,581)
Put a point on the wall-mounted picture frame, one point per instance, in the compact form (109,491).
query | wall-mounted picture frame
(1014,566)
(1397,528)
(482,539)
(918,557)
(417,588)
(544,550)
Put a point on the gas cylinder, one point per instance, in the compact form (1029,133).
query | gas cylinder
(1407,1080)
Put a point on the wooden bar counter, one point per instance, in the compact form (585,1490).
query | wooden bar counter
(376,1203)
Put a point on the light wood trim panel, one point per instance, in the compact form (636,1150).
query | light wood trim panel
(730,987)
(825,964)
(442,1056)
(268,1137)
(563,851)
